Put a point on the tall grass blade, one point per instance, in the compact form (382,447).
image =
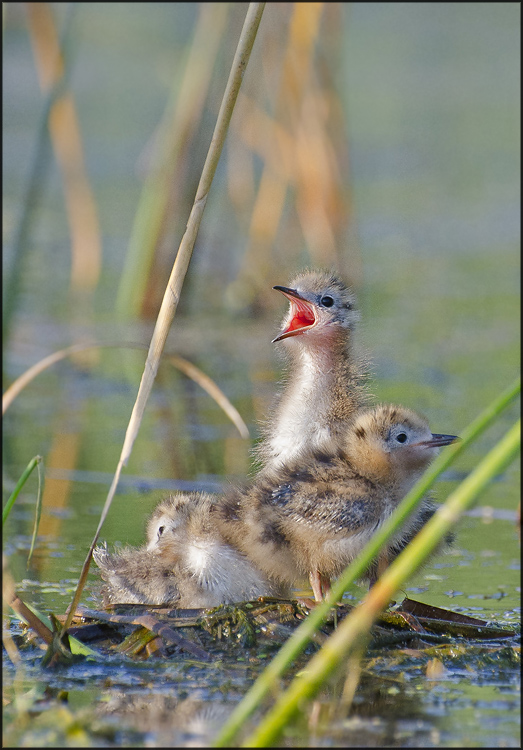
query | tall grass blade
(38,508)
(181,264)
(297,642)
(354,629)
(36,461)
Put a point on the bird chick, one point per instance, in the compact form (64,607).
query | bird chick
(324,384)
(313,516)
(141,576)
(185,562)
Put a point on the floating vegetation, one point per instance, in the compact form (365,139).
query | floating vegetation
(140,631)
(220,648)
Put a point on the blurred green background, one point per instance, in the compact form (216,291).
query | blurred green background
(377,139)
(380,140)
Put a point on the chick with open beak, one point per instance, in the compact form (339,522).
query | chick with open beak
(325,380)
(302,316)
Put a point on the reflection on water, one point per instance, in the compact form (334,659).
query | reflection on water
(167,721)
(401,700)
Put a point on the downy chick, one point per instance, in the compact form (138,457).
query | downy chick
(324,383)
(313,516)
(185,563)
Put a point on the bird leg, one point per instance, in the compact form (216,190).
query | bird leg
(383,562)
(320,583)
(325,583)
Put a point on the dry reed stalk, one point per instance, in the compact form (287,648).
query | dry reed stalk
(317,189)
(181,116)
(66,140)
(22,610)
(302,146)
(181,264)
(30,374)
(64,128)
(259,131)
(272,191)
(339,204)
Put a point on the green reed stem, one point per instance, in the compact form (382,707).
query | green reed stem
(354,629)
(300,638)
(36,461)
(38,508)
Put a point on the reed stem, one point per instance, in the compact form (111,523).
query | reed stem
(354,629)
(181,264)
(23,479)
(300,638)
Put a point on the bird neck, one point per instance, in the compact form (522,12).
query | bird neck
(376,467)
(318,398)
(321,376)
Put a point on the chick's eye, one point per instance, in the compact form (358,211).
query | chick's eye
(401,438)
(327,301)
(161,529)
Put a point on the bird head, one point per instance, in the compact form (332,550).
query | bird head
(173,516)
(393,444)
(320,304)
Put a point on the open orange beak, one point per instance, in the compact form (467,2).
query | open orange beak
(302,314)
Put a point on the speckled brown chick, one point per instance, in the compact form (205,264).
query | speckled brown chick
(185,563)
(313,516)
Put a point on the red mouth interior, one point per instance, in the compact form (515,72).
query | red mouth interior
(302,317)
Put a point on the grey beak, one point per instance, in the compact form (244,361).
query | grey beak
(438,441)
(288,292)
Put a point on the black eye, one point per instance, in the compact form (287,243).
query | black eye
(401,438)
(327,301)
(161,529)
